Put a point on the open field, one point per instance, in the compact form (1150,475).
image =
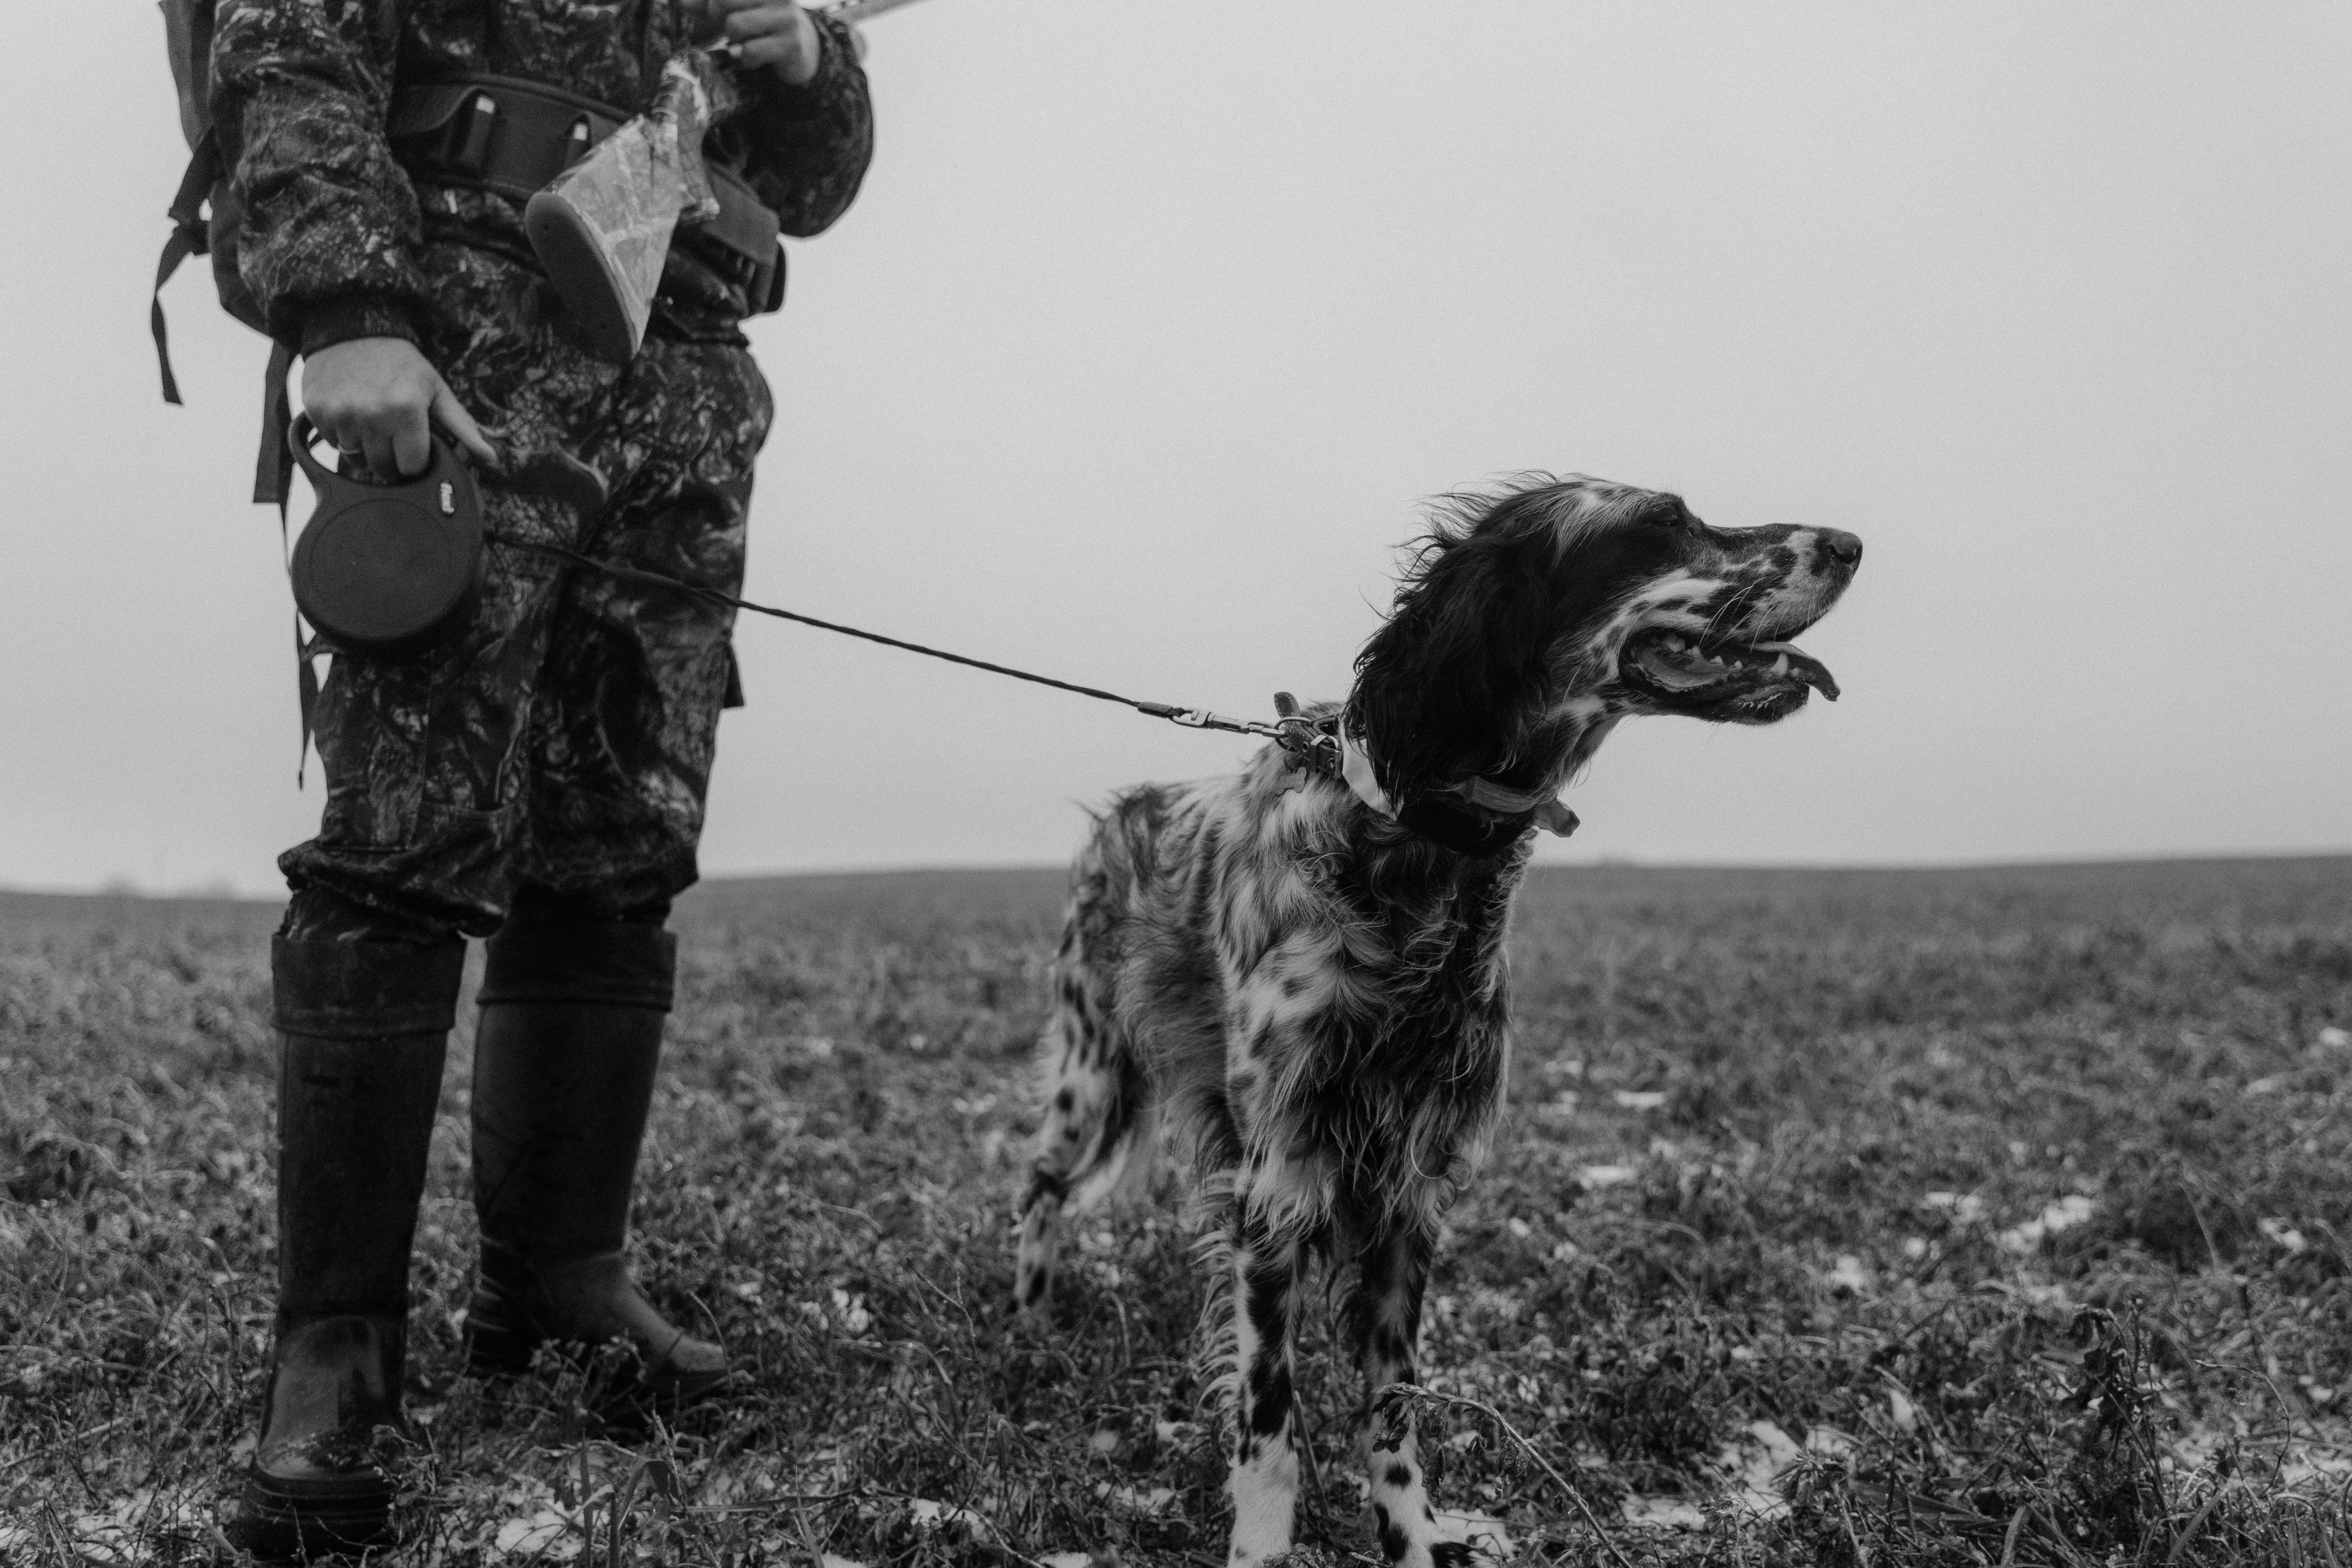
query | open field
(1841,1217)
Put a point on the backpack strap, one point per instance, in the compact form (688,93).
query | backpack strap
(306,688)
(273,483)
(273,465)
(188,239)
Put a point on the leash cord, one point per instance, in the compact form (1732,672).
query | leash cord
(1191,718)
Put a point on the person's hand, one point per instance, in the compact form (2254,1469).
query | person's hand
(377,398)
(773,33)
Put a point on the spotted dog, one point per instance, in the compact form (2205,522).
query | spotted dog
(1297,972)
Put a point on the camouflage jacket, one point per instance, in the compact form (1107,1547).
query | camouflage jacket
(334,230)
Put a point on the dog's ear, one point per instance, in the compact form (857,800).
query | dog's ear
(1448,687)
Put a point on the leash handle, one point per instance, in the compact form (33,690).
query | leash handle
(302,438)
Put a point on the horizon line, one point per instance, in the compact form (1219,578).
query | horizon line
(216,893)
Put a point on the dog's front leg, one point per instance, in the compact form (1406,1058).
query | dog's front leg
(1383,1321)
(1265,1479)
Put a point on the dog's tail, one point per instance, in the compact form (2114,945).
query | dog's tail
(1097,1100)
(1097,1096)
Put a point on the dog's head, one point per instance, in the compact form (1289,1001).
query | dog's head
(1531,620)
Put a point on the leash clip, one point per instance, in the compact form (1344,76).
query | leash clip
(1313,744)
(1201,719)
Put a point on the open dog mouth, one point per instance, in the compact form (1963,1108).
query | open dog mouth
(1758,681)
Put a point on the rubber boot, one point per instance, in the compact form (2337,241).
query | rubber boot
(563,1073)
(362,1027)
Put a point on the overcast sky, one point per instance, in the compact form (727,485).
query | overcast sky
(1154,322)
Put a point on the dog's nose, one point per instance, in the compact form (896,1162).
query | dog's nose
(1843,548)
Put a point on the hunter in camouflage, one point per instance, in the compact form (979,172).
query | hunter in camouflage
(539,780)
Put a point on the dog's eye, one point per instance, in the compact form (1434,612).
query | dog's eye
(1665,517)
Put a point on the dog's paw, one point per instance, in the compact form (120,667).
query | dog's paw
(1033,1297)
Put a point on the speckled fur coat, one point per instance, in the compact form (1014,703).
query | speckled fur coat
(1309,996)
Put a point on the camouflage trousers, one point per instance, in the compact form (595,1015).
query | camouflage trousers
(561,748)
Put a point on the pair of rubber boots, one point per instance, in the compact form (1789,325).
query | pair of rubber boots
(572,1017)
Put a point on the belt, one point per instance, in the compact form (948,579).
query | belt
(504,134)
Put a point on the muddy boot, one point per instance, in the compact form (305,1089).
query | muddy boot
(563,1072)
(362,1029)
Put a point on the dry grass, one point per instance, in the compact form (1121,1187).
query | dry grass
(1872,1218)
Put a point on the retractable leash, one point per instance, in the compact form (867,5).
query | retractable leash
(387,570)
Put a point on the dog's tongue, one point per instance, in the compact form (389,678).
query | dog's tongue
(1804,666)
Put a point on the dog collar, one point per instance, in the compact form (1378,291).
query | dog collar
(1489,819)
(1484,819)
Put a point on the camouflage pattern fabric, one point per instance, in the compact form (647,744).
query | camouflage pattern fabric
(565,740)
(561,749)
(330,242)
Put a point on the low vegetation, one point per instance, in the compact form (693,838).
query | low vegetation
(1844,1218)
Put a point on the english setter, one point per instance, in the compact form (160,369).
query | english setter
(1299,971)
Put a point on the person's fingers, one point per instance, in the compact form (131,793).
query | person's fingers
(764,19)
(330,421)
(378,452)
(412,442)
(451,416)
(791,53)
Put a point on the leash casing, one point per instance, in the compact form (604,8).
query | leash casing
(384,570)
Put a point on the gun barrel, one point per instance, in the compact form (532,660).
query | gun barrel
(864,10)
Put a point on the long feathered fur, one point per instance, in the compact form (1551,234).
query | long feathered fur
(1311,1000)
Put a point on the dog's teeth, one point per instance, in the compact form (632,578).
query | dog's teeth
(1780,665)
